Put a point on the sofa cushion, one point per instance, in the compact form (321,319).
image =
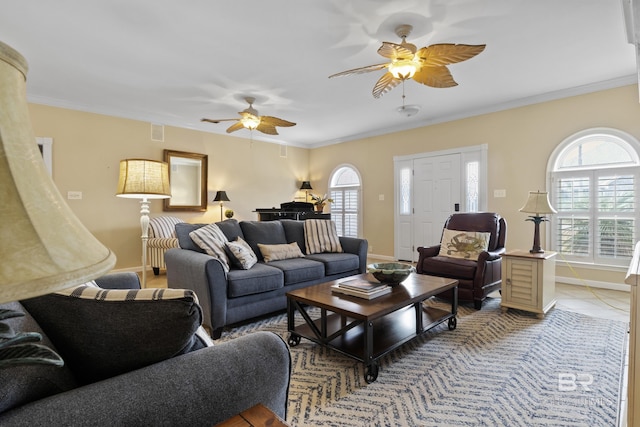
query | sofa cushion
(240,254)
(21,384)
(463,244)
(336,263)
(213,241)
(277,252)
(182,232)
(294,232)
(231,229)
(299,270)
(265,232)
(102,333)
(259,278)
(321,236)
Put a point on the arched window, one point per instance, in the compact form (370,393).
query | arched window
(594,187)
(344,187)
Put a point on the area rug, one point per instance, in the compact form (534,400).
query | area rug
(495,369)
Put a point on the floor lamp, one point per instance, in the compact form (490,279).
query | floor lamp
(221,196)
(144,179)
(537,204)
(44,247)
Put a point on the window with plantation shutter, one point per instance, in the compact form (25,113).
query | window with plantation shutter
(345,209)
(594,187)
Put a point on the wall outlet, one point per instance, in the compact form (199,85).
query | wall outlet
(381,197)
(74,195)
(499,193)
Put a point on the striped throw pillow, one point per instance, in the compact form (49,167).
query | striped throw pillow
(213,241)
(320,235)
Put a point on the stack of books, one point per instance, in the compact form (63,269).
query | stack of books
(361,288)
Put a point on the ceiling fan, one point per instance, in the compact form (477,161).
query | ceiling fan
(427,65)
(251,120)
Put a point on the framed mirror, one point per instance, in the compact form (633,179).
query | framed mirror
(188,180)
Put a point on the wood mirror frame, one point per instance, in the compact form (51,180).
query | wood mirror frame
(188,180)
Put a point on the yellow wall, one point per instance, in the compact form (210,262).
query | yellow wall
(520,142)
(88,147)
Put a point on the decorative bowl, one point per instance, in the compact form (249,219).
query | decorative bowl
(390,273)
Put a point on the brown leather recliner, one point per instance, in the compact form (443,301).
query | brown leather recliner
(478,278)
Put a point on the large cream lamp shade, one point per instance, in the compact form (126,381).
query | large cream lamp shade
(43,246)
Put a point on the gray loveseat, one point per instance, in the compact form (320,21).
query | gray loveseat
(238,295)
(201,386)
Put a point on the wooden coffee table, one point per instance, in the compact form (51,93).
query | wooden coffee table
(366,330)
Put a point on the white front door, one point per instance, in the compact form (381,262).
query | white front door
(425,201)
(436,193)
(431,186)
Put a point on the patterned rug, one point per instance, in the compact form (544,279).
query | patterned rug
(495,369)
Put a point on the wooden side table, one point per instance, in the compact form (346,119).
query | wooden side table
(529,281)
(256,416)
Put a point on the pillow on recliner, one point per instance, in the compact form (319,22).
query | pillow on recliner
(463,244)
(101,333)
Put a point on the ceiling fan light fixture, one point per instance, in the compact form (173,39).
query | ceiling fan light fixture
(250,121)
(404,69)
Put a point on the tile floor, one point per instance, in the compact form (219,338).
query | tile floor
(596,302)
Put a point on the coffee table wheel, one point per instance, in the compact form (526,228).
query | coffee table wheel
(453,322)
(372,373)
(294,340)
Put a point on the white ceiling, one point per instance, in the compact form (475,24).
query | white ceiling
(175,62)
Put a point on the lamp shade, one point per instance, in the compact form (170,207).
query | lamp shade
(140,178)
(538,203)
(306,185)
(43,246)
(221,196)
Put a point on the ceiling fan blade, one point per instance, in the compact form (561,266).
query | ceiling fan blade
(448,53)
(267,128)
(234,127)
(360,70)
(439,77)
(274,121)
(217,120)
(396,51)
(385,84)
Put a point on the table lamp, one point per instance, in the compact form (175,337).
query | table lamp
(306,186)
(144,179)
(44,247)
(221,196)
(537,204)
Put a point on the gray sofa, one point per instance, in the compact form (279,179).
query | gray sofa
(202,386)
(230,297)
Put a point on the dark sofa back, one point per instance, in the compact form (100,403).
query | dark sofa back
(265,232)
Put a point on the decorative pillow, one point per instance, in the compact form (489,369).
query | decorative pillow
(101,333)
(463,244)
(320,235)
(213,241)
(278,252)
(241,254)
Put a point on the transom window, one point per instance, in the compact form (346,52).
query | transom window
(594,179)
(344,188)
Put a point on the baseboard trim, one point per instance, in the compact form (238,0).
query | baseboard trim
(593,284)
(381,257)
